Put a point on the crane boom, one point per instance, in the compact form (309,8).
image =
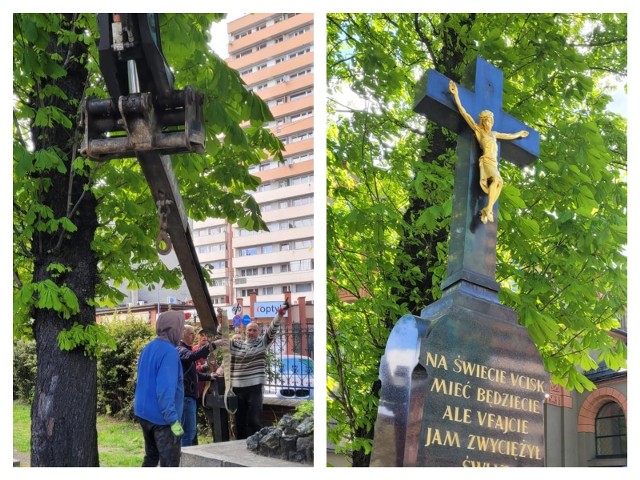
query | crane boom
(147,119)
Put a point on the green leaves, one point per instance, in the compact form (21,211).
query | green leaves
(54,189)
(562,221)
(48,295)
(93,339)
(49,116)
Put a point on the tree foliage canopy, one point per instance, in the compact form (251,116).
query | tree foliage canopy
(81,228)
(212,185)
(562,221)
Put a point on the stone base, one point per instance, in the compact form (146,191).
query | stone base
(436,394)
(229,454)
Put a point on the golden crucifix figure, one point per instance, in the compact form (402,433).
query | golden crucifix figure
(490,179)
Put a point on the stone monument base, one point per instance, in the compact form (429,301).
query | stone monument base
(462,385)
(229,454)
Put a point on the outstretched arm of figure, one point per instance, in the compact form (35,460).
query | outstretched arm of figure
(512,136)
(453,88)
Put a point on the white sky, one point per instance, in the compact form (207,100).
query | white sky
(219,36)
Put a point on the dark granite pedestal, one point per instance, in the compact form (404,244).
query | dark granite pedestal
(462,385)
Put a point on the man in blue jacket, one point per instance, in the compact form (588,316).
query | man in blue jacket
(160,393)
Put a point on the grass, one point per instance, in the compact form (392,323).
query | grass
(22,427)
(120,442)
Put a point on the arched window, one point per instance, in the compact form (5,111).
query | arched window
(611,431)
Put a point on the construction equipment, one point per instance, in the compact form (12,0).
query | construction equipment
(147,119)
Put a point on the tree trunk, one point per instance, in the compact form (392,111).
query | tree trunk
(449,60)
(63,412)
(423,248)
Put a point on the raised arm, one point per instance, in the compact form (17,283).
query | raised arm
(453,88)
(512,136)
(270,334)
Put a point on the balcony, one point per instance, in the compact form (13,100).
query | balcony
(285,192)
(287,213)
(213,256)
(274,71)
(284,88)
(287,46)
(304,103)
(219,291)
(267,238)
(291,128)
(206,239)
(273,258)
(267,33)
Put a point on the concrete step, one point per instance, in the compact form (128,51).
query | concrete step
(229,454)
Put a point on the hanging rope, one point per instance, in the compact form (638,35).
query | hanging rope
(226,360)
(163,241)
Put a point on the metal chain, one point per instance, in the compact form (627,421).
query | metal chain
(163,241)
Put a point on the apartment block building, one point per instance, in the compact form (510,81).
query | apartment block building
(274,55)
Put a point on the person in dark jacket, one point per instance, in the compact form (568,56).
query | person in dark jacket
(188,358)
(160,393)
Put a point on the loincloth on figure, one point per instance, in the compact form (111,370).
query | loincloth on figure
(489,172)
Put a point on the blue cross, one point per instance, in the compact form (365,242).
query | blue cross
(472,248)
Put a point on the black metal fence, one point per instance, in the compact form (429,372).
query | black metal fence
(290,365)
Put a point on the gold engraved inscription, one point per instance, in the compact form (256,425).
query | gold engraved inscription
(435,437)
(467,409)
(507,400)
(454,389)
(457,414)
(503,423)
(503,447)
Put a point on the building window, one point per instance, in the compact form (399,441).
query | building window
(216,247)
(300,73)
(301,265)
(267,291)
(285,268)
(243,53)
(218,264)
(301,94)
(299,52)
(304,287)
(268,166)
(611,432)
(300,244)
